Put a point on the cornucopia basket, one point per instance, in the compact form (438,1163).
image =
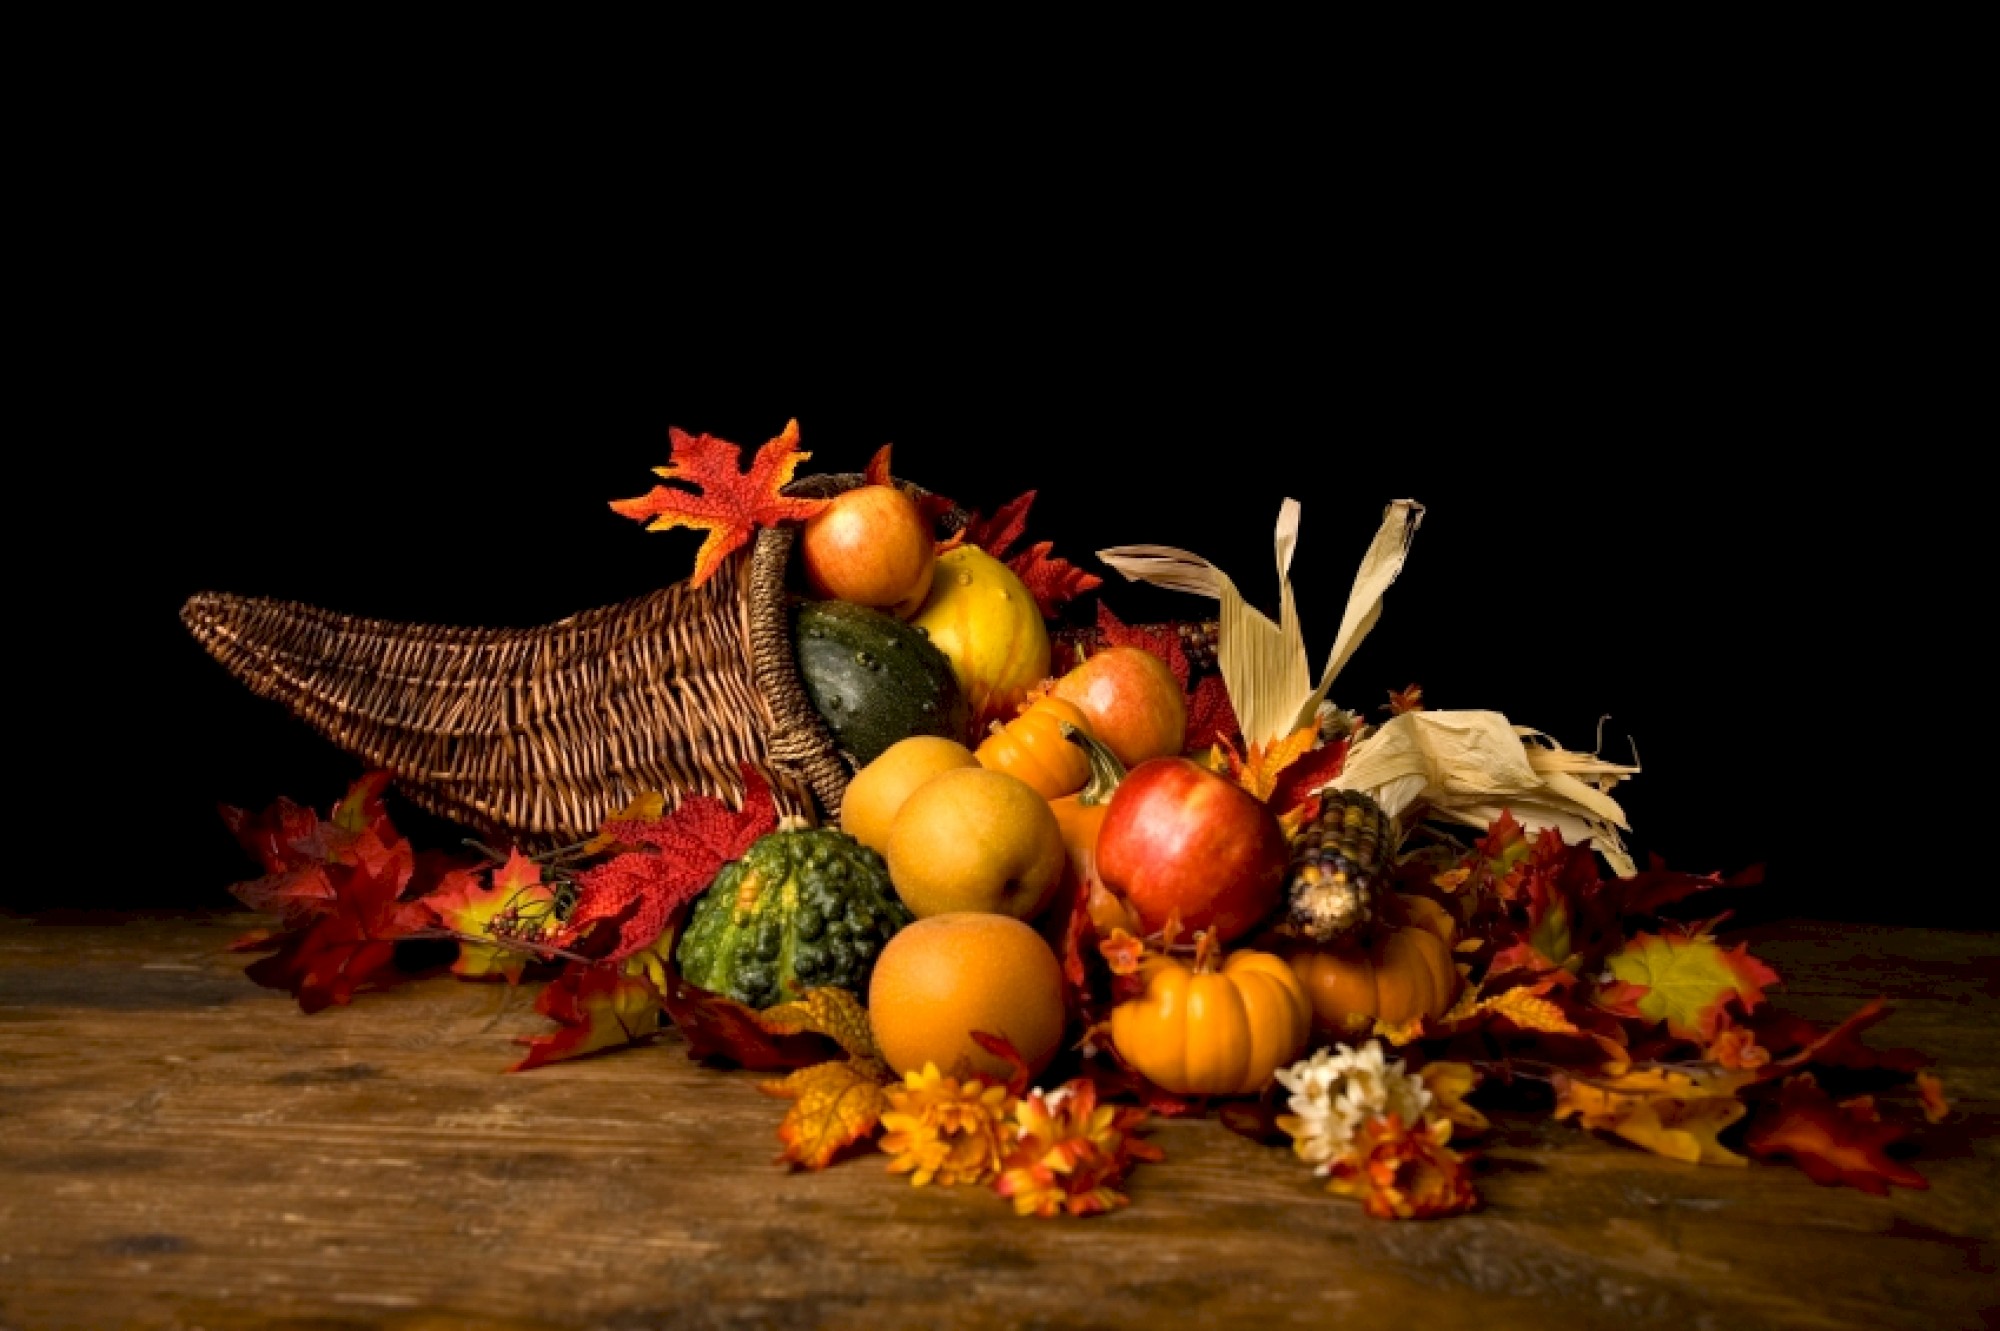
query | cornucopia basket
(534,736)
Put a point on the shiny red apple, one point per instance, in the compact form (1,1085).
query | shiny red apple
(1178,837)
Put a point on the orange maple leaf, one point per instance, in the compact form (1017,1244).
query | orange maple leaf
(730,504)
(834,1106)
(598,1008)
(1410,699)
(1258,773)
(1833,1144)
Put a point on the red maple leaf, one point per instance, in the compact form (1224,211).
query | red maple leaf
(352,943)
(294,846)
(679,856)
(1833,1144)
(995,534)
(1645,892)
(1019,1075)
(729,504)
(1410,699)
(598,1008)
(1162,640)
(931,508)
(877,471)
(1211,718)
(1298,779)
(1052,581)
(1796,1043)
(722,1029)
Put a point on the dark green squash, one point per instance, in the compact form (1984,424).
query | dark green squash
(874,679)
(802,909)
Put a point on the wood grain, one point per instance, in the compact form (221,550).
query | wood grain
(182,1149)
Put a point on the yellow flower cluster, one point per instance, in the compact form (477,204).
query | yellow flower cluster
(941,1129)
(1072,1151)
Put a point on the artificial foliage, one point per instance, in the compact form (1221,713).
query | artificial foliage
(1606,1002)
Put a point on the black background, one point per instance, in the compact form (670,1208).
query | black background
(1655,431)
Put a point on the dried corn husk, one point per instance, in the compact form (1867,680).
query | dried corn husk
(1467,767)
(1459,767)
(1263,664)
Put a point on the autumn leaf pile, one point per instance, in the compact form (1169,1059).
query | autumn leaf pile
(1582,1001)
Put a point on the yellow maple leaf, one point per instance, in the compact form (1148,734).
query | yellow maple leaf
(1413,1029)
(834,1105)
(1686,981)
(1464,1008)
(1449,1084)
(1258,773)
(1452,879)
(830,1011)
(1529,1012)
(1669,1113)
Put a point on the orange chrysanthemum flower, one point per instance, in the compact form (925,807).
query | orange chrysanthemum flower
(1070,1151)
(1403,1173)
(944,1130)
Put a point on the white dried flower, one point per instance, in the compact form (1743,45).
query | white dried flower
(1336,1091)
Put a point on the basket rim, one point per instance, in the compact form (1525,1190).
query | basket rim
(799,738)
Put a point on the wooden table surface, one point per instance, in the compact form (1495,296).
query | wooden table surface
(180,1148)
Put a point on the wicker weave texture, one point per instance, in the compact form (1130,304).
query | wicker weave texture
(536,735)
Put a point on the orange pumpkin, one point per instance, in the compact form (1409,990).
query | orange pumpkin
(1032,747)
(1198,1031)
(1405,972)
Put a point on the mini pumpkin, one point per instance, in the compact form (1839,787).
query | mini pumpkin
(1032,747)
(1403,972)
(1195,1030)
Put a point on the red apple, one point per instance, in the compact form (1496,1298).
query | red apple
(1178,837)
(870,546)
(1134,703)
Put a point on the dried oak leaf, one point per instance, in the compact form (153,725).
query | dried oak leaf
(1669,1113)
(721,1029)
(599,1007)
(1687,981)
(1833,1144)
(677,857)
(835,1104)
(726,504)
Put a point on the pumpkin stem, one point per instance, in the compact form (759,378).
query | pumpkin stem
(1207,951)
(1105,769)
